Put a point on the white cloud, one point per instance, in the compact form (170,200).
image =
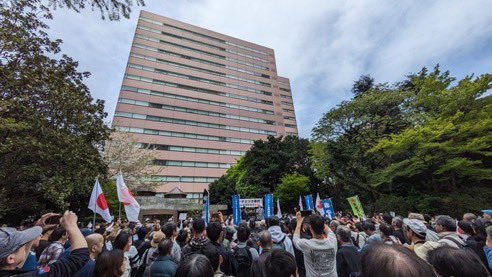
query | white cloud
(322,46)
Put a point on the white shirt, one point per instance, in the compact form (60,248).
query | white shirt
(319,255)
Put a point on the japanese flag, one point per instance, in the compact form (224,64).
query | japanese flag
(132,208)
(98,203)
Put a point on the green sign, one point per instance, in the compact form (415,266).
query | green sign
(356,206)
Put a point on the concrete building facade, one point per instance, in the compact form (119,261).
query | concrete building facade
(200,99)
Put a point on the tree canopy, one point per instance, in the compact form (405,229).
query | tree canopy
(424,142)
(262,168)
(51,129)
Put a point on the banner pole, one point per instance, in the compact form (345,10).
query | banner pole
(95,208)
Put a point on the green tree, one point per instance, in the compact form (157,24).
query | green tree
(345,134)
(291,187)
(446,156)
(424,143)
(269,160)
(51,129)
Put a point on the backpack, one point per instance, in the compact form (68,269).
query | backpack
(244,260)
(279,245)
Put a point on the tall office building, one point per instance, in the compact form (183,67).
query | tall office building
(199,98)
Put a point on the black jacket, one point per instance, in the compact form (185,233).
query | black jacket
(64,267)
(348,260)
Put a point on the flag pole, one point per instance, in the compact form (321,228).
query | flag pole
(95,208)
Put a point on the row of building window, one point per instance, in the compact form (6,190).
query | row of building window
(193,111)
(291,134)
(148,29)
(191,164)
(287,103)
(289,117)
(288,110)
(290,126)
(193,123)
(202,90)
(245,48)
(182,179)
(203,35)
(175,148)
(284,89)
(284,83)
(174,54)
(198,79)
(181,135)
(196,100)
(285,96)
(194,68)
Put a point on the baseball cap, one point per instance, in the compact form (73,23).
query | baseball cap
(11,239)
(489,212)
(417,226)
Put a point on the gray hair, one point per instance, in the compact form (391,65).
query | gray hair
(344,234)
(265,238)
(469,217)
(334,223)
(447,222)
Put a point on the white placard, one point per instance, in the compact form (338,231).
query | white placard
(182,216)
(250,202)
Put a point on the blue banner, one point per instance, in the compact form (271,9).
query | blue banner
(328,208)
(308,199)
(236,210)
(268,205)
(206,214)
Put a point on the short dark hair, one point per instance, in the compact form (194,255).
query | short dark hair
(280,263)
(121,240)
(182,237)
(196,266)
(447,223)
(213,255)
(168,229)
(358,225)
(213,231)
(273,221)
(367,225)
(57,234)
(243,232)
(198,225)
(387,218)
(393,260)
(449,261)
(386,229)
(142,233)
(165,246)
(108,263)
(344,234)
(317,224)
(466,226)
(397,221)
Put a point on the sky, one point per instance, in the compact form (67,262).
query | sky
(322,46)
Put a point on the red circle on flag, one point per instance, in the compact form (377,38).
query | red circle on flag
(101,202)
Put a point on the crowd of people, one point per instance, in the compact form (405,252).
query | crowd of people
(294,245)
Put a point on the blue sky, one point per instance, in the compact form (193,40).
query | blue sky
(322,46)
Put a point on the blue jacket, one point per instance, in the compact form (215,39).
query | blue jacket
(163,266)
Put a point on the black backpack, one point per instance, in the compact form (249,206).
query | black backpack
(244,260)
